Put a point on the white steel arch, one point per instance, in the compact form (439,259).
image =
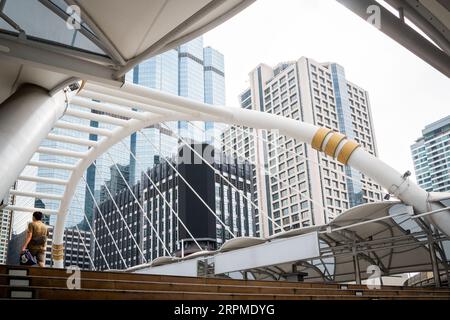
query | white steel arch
(132,107)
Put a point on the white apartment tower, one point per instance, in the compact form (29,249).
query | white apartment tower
(296,185)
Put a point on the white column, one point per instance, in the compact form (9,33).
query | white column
(26,118)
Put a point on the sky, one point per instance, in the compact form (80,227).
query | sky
(405,93)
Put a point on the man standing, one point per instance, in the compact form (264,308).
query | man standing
(36,240)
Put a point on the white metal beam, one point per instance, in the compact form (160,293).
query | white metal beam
(43,180)
(96,117)
(35,195)
(111,109)
(82,128)
(60,152)
(73,140)
(359,159)
(32,209)
(52,165)
(126,101)
(131,94)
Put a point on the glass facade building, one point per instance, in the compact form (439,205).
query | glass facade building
(344,113)
(431,156)
(190,71)
(214,90)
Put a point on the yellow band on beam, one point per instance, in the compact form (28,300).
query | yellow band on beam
(83,83)
(58,257)
(333,142)
(346,151)
(58,252)
(319,137)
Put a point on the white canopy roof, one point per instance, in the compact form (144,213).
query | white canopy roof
(147,27)
(383,234)
(107,38)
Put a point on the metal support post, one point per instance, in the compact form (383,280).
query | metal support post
(356,266)
(434,262)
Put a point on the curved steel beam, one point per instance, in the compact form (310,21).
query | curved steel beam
(334,144)
(82,165)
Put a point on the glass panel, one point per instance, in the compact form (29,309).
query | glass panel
(40,22)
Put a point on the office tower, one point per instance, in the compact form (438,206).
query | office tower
(214,74)
(161,73)
(431,156)
(189,71)
(191,83)
(292,190)
(230,205)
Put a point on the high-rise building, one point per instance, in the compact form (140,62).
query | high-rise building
(162,225)
(296,185)
(161,73)
(5,233)
(431,156)
(6,226)
(191,83)
(190,71)
(214,74)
